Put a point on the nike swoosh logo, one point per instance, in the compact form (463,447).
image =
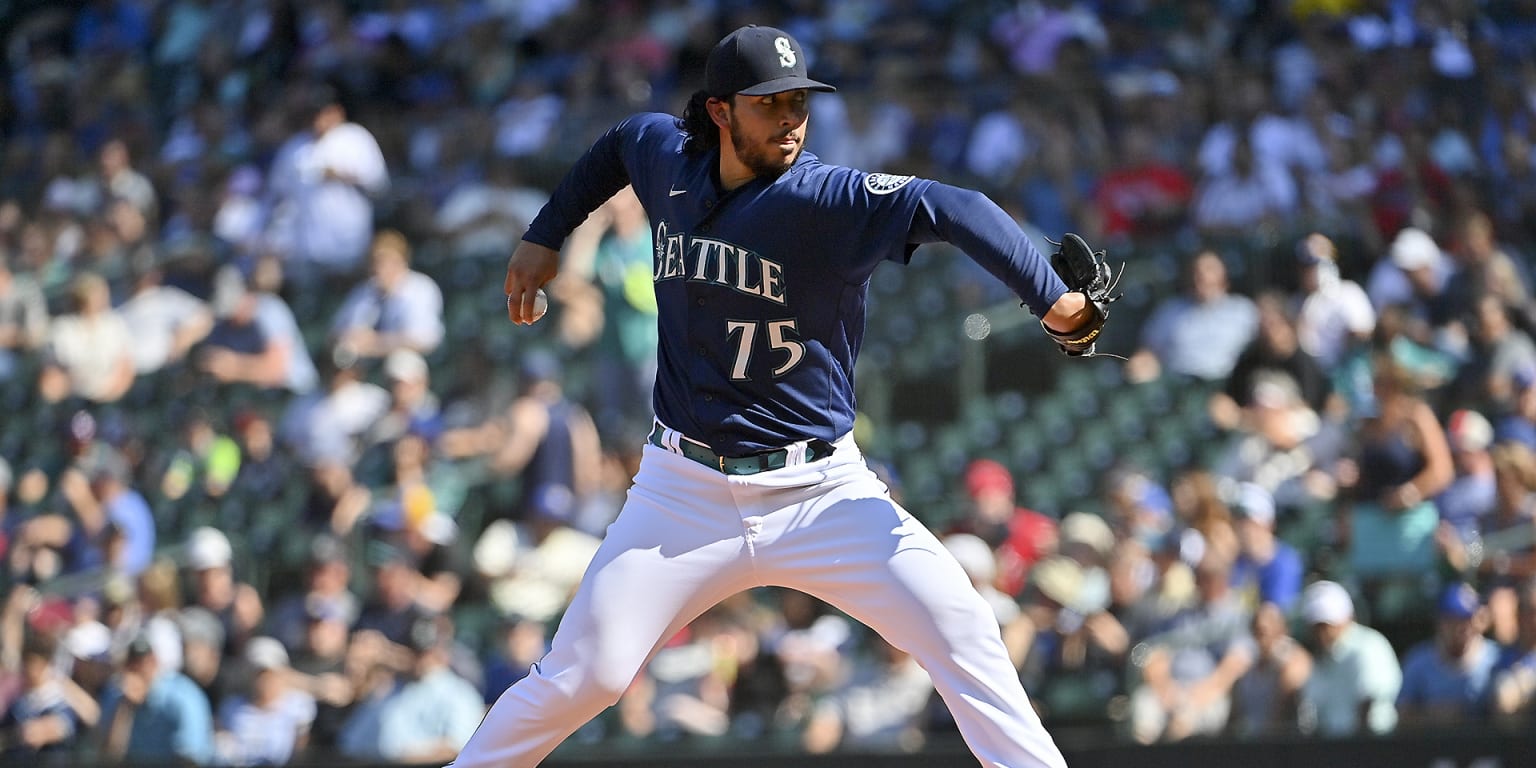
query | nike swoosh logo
(676,192)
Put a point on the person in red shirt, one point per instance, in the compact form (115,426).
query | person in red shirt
(1019,537)
(1142,196)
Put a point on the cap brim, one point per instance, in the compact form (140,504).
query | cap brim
(782,84)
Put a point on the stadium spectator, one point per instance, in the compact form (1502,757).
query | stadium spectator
(112,525)
(324,181)
(1199,334)
(1355,676)
(1483,268)
(164,322)
(413,408)
(238,606)
(1498,351)
(202,462)
(1252,193)
(1514,674)
(23,318)
(811,643)
(1519,423)
(411,519)
(1334,314)
(121,181)
(1274,352)
(1446,681)
(328,425)
(256,340)
(1509,548)
(1413,274)
(42,724)
(430,712)
(1019,537)
(1472,496)
(482,217)
(1392,343)
(1088,540)
(1142,195)
(390,610)
(333,499)
(612,250)
(90,352)
(319,668)
(686,688)
(270,724)
(1065,639)
(1193,660)
(152,713)
(1266,699)
(1140,509)
(533,567)
(202,653)
(544,437)
(1399,463)
(1268,570)
(397,308)
(880,706)
(266,472)
(325,591)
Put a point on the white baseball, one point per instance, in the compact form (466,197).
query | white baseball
(540,304)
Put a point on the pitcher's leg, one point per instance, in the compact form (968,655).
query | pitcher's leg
(865,555)
(660,566)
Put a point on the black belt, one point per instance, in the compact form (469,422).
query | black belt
(815,450)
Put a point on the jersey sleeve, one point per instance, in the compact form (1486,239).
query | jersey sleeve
(605,168)
(970,221)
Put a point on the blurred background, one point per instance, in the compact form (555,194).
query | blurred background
(280,485)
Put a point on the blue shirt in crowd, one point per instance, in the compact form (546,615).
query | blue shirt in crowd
(1277,581)
(174,721)
(1432,681)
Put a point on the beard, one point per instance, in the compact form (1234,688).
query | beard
(763,159)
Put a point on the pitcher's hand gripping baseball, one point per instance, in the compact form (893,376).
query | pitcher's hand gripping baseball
(530,267)
(1083,270)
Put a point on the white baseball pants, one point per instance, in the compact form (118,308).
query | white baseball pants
(688,537)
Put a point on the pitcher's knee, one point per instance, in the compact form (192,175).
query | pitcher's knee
(580,691)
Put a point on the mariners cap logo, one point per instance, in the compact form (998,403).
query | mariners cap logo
(884,183)
(786,51)
(758,61)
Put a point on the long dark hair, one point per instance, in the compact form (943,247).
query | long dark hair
(702,135)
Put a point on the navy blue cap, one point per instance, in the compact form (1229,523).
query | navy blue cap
(757,61)
(1460,601)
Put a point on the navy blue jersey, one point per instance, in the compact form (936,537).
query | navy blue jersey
(761,289)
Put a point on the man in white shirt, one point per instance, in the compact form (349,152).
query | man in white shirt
(163,320)
(1335,313)
(1355,675)
(325,182)
(1199,333)
(89,352)
(395,309)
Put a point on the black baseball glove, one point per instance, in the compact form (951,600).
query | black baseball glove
(1085,270)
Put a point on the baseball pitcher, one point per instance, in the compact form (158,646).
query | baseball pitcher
(751,477)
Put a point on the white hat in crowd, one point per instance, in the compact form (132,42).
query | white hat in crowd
(208,548)
(1326,602)
(265,653)
(1414,249)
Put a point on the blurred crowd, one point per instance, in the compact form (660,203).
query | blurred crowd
(277,484)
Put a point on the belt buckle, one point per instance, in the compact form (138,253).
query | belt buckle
(720,460)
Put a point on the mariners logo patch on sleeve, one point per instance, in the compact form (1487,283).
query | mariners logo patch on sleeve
(884,183)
